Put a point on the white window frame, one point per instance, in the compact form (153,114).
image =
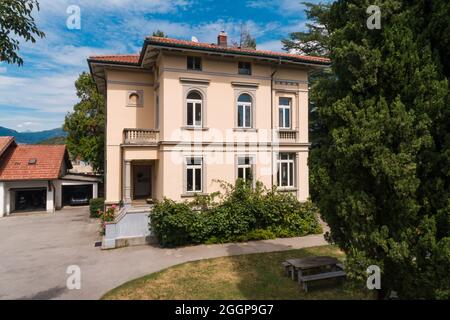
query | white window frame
(193,66)
(195,103)
(245,167)
(287,162)
(194,168)
(245,106)
(284,109)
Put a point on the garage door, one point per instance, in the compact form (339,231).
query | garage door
(76,195)
(30,199)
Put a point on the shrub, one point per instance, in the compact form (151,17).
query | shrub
(244,213)
(96,206)
(107,216)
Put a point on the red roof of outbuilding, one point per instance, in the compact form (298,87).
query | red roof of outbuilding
(16,165)
(5,142)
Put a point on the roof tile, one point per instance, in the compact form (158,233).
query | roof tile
(134,58)
(49,159)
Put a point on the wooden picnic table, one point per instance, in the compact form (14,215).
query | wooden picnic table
(308,263)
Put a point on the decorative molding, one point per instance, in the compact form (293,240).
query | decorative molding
(221,74)
(126,83)
(139,103)
(244,84)
(195,81)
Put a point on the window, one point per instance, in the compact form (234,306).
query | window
(194,63)
(194,174)
(194,109)
(244,169)
(244,68)
(286,169)
(244,119)
(135,98)
(284,113)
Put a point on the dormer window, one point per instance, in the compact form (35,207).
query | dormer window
(194,63)
(244,68)
(135,98)
(32,161)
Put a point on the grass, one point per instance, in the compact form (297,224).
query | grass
(255,276)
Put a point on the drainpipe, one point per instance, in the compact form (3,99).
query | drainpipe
(271,115)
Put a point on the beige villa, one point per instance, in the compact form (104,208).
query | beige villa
(182,115)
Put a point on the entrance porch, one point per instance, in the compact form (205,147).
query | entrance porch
(139,181)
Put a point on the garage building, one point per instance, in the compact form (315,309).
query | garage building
(35,178)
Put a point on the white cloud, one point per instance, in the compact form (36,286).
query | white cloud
(3,69)
(25,124)
(49,93)
(273,45)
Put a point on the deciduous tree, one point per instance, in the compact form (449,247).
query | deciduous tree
(86,124)
(17,22)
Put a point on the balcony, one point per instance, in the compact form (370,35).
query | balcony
(287,136)
(140,136)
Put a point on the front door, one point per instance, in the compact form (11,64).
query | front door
(142,182)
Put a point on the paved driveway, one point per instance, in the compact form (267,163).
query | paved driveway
(35,251)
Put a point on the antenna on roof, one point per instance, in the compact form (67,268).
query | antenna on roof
(194,39)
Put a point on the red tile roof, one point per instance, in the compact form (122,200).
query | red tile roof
(49,161)
(169,42)
(4,143)
(214,47)
(124,58)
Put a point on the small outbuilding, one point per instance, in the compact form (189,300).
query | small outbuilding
(35,178)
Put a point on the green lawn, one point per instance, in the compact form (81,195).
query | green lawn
(255,276)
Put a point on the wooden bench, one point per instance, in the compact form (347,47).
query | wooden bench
(287,268)
(303,280)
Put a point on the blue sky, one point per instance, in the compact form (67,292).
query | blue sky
(38,95)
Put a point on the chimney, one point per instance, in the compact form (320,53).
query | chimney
(222,39)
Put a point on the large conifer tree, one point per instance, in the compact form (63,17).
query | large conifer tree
(381,157)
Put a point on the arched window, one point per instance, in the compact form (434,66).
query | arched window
(194,109)
(244,109)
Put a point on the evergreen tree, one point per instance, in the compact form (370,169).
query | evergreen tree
(381,158)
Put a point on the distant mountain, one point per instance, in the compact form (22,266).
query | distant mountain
(54,140)
(33,137)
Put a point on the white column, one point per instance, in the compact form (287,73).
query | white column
(2,199)
(50,199)
(127,183)
(95,190)
(58,194)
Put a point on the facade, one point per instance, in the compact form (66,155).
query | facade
(183,115)
(34,178)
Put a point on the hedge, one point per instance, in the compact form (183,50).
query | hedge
(244,213)
(95,205)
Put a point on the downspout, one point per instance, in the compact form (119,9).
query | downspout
(271,116)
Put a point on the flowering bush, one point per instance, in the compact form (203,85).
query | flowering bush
(106,216)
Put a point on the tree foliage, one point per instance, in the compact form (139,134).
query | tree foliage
(16,22)
(381,158)
(246,40)
(159,33)
(86,124)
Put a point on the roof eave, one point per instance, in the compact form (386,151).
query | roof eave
(293,60)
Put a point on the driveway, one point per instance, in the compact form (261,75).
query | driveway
(36,249)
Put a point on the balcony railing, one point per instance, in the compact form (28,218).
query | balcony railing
(287,135)
(140,136)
